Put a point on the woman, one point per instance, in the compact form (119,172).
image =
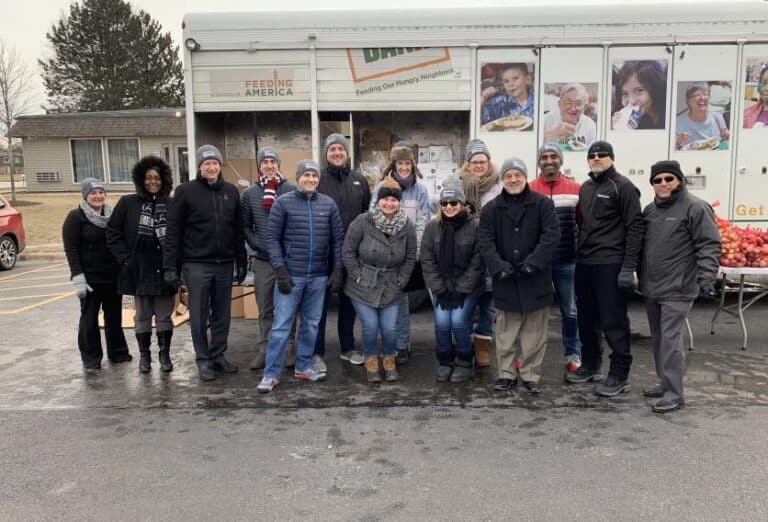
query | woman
(454,274)
(641,87)
(757,114)
(415,202)
(136,235)
(698,122)
(379,254)
(481,183)
(94,276)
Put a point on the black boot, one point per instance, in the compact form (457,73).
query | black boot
(164,342)
(145,341)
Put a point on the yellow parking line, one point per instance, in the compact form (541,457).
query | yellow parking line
(20,297)
(40,278)
(41,269)
(35,305)
(47,285)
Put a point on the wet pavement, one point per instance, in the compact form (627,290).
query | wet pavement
(345,450)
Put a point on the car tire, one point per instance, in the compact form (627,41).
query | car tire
(9,253)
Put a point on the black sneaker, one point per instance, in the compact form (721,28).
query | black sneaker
(504,384)
(583,374)
(206,373)
(666,406)
(444,372)
(222,365)
(612,387)
(402,357)
(655,392)
(530,387)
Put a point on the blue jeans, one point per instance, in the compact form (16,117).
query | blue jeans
(306,298)
(375,320)
(454,325)
(563,277)
(403,327)
(487,316)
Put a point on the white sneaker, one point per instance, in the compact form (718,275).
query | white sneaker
(310,374)
(267,384)
(353,356)
(319,364)
(573,362)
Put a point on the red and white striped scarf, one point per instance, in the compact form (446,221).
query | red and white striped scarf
(270,190)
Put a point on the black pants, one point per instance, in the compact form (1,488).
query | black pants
(602,311)
(105,297)
(210,301)
(345,325)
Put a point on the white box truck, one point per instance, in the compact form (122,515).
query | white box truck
(641,76)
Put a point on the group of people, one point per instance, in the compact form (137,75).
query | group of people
(492,242)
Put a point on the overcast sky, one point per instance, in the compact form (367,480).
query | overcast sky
(27,21)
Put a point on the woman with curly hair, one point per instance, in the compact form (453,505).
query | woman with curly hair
(136,236)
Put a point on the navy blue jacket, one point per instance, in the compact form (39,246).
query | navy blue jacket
(305,234)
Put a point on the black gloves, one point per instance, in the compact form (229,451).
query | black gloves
(242,271)
(707,290)
(444,300)
(505,271)
(336,280)
(526,268)
(284,281)
(171,279)
(626,279)
(457,299)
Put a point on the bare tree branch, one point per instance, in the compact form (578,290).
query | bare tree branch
(16,96)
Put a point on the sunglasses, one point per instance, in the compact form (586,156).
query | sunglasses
(451,203)
(665,179)
(598,155)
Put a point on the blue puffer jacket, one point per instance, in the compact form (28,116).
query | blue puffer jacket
(305,233)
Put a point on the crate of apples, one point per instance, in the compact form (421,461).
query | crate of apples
(742,246)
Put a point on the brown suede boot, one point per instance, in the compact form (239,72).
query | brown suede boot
(482,344)
(372,368)
(390,368)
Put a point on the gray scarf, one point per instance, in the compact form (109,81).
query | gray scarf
(390,226)
(98,219)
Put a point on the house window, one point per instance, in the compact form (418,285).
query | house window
(123,153)
(87,159)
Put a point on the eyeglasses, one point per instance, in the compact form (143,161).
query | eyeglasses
(600,155)
(578,104)
(479,162)
(665,179)
(451,203)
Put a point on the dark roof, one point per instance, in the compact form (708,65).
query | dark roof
(144,122)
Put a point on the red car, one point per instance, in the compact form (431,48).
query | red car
(12,240)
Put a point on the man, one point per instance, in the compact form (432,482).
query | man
(205,234)
(352,195)
(518,235)
(257,202)
(610,238)
(303,228)
(564,193)
(681,254)
(568,123)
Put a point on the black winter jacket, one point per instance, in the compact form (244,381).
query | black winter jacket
(468,267)
(85,245)
(204,225)
(516,229)
(348,189)
(255,217)
(141,273)
(610,221)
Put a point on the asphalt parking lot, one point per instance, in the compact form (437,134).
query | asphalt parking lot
(25,289)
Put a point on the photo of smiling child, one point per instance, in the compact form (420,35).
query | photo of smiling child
(507,98)
(639,95)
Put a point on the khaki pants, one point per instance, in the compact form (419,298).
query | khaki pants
(523,336)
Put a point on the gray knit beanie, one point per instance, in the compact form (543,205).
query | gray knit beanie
(206,152)
(88,185)
(336,138)
(514,163)
(550,147)
(267,152)
(453,190)
(476,147)
(307,165)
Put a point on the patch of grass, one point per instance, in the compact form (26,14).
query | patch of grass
(43,215)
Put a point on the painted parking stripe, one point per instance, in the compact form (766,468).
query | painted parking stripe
(35,305)
(41,269)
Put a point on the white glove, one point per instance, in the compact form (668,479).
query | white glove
(81,286)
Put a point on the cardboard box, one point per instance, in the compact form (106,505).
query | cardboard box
(237,309)
(250,308)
